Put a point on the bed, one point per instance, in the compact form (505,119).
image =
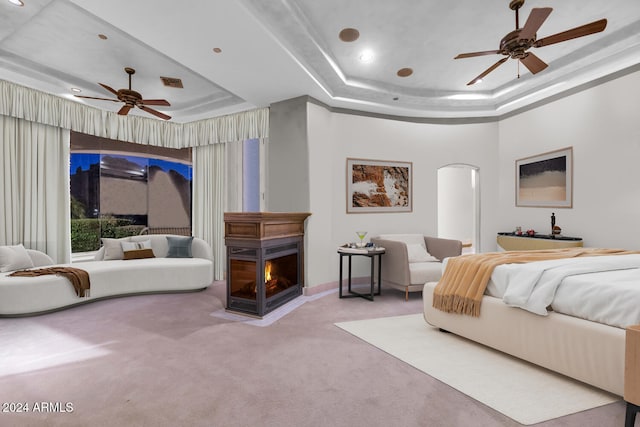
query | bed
(566,315)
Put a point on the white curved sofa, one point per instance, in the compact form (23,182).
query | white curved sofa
(23,296)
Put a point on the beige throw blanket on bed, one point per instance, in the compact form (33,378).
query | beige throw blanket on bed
(465,278)
(78,278)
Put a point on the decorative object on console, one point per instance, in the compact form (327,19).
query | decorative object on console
(545,180)
(378,186)
(555,230)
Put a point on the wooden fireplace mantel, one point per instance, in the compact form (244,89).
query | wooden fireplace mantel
(263,225)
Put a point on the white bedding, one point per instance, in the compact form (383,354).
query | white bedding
(604,289)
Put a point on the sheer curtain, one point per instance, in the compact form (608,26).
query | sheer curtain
(233,176)
(35,187)
(208,201)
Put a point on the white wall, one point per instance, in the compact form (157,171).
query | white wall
(287,157)
(601,123)
(603,126)
(333,137)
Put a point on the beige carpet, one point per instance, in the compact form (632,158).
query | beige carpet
(524,392)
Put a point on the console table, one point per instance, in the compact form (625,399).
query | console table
(514,242)
(371,254)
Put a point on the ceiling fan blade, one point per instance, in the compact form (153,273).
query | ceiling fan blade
(534,22)
(109,88)
(93,97)
(487,71)
(472,54)
(154,112)
(162,102)
(584,30)
(533,63)
(124,110)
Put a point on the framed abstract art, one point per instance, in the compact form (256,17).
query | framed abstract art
(379,186)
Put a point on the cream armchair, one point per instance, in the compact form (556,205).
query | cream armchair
(411,260)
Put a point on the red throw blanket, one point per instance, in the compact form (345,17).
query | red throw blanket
(79,278)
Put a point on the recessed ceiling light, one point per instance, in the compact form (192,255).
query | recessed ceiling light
(404,72)
(102,36)
(366,56)
(349,35)
(16,2)
(217,50)
(76,90)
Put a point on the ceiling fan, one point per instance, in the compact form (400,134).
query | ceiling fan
(131,99)
(517,43)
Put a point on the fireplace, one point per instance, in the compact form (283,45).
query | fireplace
(265,260)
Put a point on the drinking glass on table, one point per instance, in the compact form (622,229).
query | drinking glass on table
(361,235)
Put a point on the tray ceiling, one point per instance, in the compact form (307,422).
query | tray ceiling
(275,50)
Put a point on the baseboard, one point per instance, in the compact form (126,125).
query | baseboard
(323,287)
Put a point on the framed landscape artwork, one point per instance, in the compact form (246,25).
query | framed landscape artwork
(545,180)
(378,186)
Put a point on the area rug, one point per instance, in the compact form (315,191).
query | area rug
(520,390)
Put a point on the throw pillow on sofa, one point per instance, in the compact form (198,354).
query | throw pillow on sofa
(113,248)
(137,250)
(14,258)
(180,247)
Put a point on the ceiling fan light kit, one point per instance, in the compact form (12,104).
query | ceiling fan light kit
(517,43)
(132,99)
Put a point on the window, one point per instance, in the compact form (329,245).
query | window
(120,189)
(251,175)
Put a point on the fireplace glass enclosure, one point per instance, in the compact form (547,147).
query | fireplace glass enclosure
(263,278)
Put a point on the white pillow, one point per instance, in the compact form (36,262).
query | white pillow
(14,258)
(132,246)
(405,238)
(112,248)
(418,253)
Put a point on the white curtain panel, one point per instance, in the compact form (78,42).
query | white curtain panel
(208,201)
(35,187)
(233,176)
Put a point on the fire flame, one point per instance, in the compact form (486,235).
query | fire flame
(267,271)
